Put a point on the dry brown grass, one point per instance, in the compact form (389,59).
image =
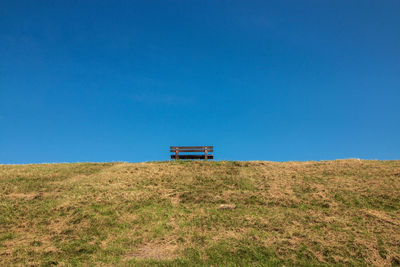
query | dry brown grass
(331,212)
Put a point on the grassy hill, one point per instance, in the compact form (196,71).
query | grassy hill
(344,212)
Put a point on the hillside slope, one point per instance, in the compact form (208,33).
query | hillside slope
(168,213)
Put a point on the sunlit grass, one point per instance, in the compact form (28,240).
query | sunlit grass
(344,212)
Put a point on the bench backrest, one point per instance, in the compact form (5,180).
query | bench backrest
(185,149)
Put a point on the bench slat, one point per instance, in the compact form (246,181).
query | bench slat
(191,150)
(190,147)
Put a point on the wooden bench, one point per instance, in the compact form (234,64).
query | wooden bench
(204,150)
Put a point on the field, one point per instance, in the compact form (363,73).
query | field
(343,212)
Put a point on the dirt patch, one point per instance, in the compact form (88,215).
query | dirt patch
(154,251)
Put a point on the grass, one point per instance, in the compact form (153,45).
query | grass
(344,212)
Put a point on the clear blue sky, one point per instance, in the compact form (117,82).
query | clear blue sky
(259,80)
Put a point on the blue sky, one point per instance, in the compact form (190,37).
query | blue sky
(259,80)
